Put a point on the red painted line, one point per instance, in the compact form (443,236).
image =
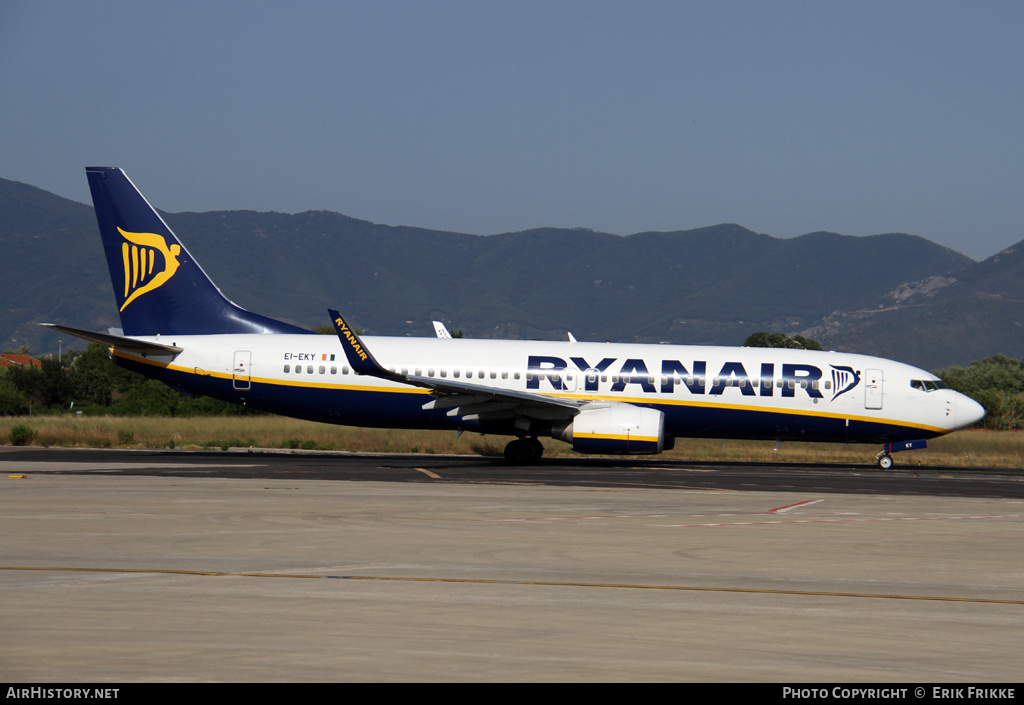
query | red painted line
(790,506)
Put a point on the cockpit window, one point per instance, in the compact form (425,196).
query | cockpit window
(928,385)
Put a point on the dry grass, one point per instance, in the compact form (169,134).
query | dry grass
(961,449)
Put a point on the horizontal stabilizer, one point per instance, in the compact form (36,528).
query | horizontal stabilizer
(116,341)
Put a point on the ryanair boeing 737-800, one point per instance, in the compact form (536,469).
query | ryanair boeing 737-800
(599,397)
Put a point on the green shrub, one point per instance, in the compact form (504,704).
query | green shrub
(21,435)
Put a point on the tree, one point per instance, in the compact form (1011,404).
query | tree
(763,339)
(997,383)
(12,401)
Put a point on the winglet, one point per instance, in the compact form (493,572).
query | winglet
(363,363)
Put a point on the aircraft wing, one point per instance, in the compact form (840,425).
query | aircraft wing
(465,399)
(117,341)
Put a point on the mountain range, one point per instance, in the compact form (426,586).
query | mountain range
(896,295)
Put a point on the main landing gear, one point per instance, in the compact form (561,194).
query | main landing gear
(523,451)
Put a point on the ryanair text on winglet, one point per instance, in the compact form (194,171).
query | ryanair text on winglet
(353,341)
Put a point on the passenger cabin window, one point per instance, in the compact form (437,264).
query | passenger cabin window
(287,368)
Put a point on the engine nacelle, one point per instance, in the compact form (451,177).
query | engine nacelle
(618,428)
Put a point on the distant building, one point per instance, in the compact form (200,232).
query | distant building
(12,360)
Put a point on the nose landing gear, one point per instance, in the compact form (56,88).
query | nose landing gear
(885,455)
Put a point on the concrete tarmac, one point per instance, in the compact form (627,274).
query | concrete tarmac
(125,579)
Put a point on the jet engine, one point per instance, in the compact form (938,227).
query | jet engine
(617,428)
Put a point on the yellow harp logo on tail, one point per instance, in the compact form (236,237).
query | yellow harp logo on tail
(142,274)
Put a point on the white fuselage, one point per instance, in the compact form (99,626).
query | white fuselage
(703,390)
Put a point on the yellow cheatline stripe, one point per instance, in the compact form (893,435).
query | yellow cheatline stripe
(749,407)
(542,583)
(656,401)
(267,380)
(616,437)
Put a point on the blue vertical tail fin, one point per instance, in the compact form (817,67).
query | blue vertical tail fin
(159,287)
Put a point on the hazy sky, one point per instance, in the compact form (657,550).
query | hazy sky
(487,117)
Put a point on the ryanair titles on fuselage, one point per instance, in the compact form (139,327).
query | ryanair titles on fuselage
(792,376)
(552,373)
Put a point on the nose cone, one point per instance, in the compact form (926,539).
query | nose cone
(968,411)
